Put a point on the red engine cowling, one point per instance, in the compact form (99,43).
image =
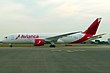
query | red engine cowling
(39,42)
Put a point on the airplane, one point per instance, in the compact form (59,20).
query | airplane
(52,39)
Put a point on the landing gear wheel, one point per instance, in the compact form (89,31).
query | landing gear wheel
(10,45)
(52,46)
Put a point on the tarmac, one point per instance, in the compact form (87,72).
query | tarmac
(54,60)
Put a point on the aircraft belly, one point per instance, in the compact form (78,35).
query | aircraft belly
(68,40)
(72,38)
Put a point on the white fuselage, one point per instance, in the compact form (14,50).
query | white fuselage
(71,38)
(24,38)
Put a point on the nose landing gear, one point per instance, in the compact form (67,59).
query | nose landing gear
(10,45)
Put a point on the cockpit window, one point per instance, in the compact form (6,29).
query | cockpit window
(6,37)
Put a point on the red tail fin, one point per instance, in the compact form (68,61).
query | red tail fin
(93,27)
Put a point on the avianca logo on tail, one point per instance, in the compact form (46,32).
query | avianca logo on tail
(27,36)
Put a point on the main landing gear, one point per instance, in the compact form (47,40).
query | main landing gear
(10,45)
(52,45)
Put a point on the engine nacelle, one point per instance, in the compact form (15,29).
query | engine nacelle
(38,42)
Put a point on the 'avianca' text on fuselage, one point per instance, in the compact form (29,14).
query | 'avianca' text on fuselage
(68,38)
(27,36)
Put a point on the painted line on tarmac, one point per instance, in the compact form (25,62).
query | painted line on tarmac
(80,50)
(56,50)
(69,51)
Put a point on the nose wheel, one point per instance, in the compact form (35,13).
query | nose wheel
(10,45)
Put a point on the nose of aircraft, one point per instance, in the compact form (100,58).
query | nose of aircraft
(1,41)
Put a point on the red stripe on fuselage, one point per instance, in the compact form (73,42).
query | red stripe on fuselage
(84,38)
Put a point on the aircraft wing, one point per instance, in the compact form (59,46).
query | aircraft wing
(55,38)
(96,37)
